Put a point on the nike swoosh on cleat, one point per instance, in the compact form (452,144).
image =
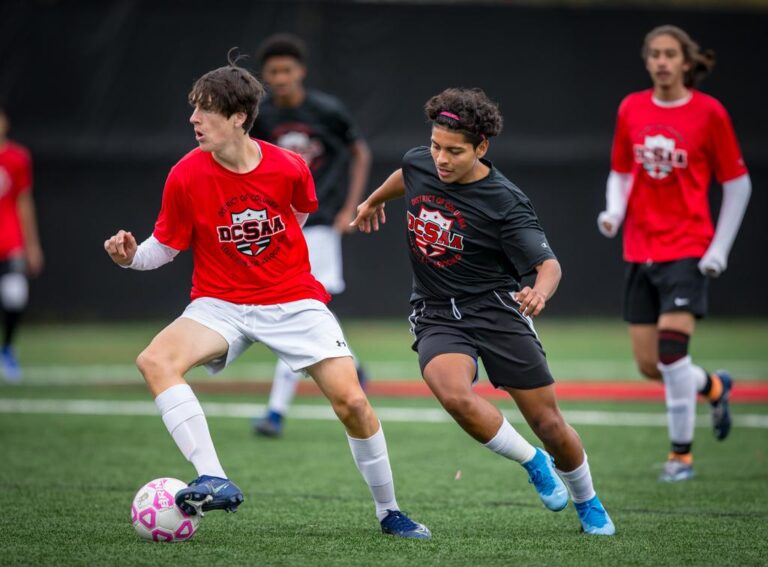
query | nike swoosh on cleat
(220,488)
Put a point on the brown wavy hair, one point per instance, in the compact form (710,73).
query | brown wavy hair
(228,90)
(701,62)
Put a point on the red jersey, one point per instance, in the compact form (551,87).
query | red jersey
(247,245)
(15,179)
(672,152)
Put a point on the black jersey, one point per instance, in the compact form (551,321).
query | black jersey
(466,240)
(320,130)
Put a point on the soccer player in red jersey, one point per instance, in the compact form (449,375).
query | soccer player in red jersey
(668,143)
(473,235)
(238,204)
(20,251)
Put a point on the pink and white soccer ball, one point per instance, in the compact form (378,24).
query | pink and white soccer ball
(155,515)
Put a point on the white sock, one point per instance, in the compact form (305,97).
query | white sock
(579,482)
(510,444)
(284,386)
(699,377)
(680,392)
(184,418)
(372,461)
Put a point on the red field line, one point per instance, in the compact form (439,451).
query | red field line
(628,391)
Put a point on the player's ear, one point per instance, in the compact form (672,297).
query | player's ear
(482,148)
(239,119)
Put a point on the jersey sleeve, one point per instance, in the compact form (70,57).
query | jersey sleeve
(726,157)
(174,223)
(621,152)
(304,198)
(523,240)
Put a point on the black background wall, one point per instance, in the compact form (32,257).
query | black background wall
(98,90)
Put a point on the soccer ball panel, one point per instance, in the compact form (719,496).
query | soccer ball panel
(156,517)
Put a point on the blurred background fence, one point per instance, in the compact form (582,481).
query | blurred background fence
(97,91)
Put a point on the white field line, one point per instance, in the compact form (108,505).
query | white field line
(567,369)
(311,412)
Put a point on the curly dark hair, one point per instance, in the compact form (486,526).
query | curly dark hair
(478,116)
(227,90)
(282,45)
(701,62)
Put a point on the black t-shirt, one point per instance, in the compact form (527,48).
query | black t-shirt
(466,240)
(320,130)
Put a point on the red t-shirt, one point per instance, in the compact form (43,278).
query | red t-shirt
(672,153)
(247,245)
(15,179)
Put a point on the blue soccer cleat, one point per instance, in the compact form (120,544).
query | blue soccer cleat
(676,470)
(542,475)
(721,412)
(593,517)
(10,366)
(398,524)
(209,493)
(271,425)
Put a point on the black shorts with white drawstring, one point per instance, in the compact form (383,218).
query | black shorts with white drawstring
(488,327)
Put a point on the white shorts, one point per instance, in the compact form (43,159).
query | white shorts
(301,332)
(324,245)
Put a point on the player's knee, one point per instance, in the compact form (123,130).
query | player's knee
(549,426)
(353,406)
(456,403)
(151,364)
(14,292)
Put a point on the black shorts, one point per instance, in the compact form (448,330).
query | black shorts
(655,288)
(489,327)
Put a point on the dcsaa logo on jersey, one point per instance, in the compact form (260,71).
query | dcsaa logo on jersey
(251,231)
(658,155)
(432,232)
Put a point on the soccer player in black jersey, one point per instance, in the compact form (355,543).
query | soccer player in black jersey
(472,236)
(318,127)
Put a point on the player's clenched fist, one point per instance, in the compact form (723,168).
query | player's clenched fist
(531,302)
(121,247)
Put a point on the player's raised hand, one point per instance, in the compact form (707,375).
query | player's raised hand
(531,302)
(121,247)
(369,217)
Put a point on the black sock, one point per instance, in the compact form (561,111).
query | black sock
(681,448)
(11,324)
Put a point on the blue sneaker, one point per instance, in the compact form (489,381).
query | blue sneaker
(271,425)
(594,519)
(209,493)
(398,524)
(10,366)
(721,412)
(542,475)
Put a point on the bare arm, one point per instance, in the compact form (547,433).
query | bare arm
(359,168)
(533,300)
(370,213)
(34,253)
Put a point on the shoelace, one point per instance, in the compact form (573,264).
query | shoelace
(537,479)
(398,520)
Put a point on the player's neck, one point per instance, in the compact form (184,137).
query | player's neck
(671,93)
(477,173)
(241,156)
(291,100)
